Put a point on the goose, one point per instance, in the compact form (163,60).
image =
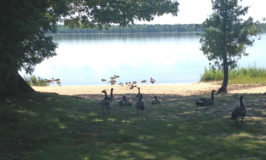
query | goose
(205,101)
(155,101)
(143,81)
(139,95)
(116,76)
(58,82)
(132,86)
(106,102)
(112,82)
(239,111)
(111,94)
(152,80)
(124,102)
(140,104)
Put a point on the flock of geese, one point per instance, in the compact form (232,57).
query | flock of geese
(106,104)
(238,112)
(132,84)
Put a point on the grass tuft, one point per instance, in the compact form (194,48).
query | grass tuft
(251,75)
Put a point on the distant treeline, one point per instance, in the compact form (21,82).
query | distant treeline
(135,29)
(139,29)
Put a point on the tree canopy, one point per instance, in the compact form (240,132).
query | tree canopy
(227,35)
(24,24)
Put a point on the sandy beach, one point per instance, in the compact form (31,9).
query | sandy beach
(170,89)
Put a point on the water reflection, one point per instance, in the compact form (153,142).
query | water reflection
(83,59)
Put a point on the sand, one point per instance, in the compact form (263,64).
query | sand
(170,89)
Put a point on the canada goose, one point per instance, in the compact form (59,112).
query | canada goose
(155,101)
(139,95)
(132,86)
(205,101)
(121,84)
(124,102)
(111,94)
(239,111)
(152,80)
(143,81)
(112,82)
(116,76)
(106,102)
(140,104)
(58,82)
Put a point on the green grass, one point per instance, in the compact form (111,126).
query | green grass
(52,127)
(34,81)
(251,75)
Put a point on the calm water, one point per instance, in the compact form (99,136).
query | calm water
(167,57)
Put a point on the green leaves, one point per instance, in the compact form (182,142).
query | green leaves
(226,33)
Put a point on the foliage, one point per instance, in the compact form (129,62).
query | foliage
(134,29)
(143,28)
(226,33)
(226,36)
(249,75)
(53,127)
(34,81)
(24,24)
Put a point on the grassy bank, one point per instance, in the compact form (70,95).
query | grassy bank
(237,76)
(52,127)
(34,81)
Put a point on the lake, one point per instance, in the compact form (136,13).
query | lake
(84,59)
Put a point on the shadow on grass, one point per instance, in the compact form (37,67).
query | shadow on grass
(49,126)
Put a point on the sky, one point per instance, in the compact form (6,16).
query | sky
(196,11)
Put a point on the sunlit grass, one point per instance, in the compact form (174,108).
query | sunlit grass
(52,127)
(251,75)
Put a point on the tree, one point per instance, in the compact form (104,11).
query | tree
(227,35)
(25,24)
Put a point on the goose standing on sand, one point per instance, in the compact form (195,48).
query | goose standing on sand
(58,82)
(155,101)
(124,102)
(206,101)
(152,80)
(106,102)
(239,111)
(143,81)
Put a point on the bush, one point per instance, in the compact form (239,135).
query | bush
(34,81)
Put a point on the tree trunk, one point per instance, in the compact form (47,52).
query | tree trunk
(223,88)
(13,84)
